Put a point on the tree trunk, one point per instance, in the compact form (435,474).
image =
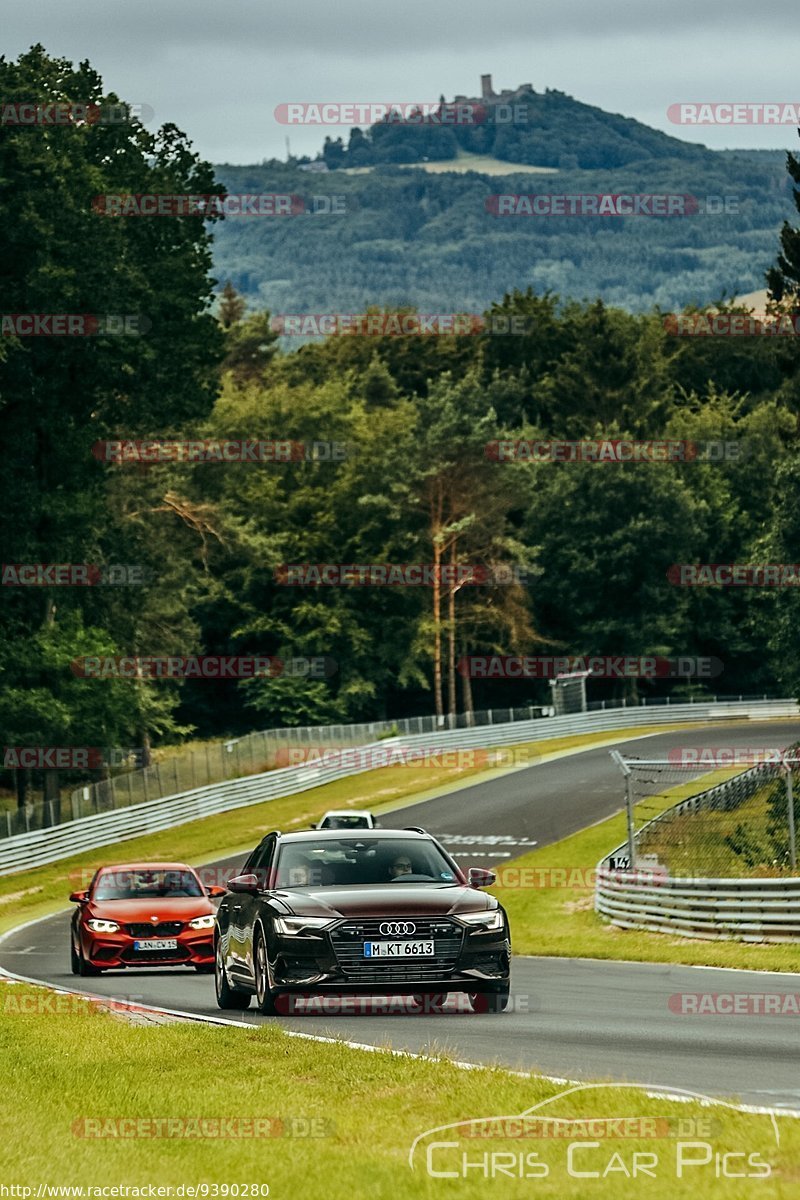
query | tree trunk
(436,525)
(52,795)
(451,636)
(145,740)
(466,692)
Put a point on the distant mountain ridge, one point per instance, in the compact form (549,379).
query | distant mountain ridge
(390,234)
(520,125)
(399,236)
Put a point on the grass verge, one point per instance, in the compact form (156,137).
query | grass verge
(551,917)
(27,895)
(76,1071)
(750,841)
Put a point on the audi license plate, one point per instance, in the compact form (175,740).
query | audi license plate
(398,949)
(157,944)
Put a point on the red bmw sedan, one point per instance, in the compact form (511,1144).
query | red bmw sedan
(143,915)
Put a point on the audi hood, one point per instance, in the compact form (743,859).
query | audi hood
(393,900)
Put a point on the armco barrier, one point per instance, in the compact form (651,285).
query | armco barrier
(250,754)
(87,833)
(747,910)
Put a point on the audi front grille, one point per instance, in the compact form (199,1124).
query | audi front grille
(348,944)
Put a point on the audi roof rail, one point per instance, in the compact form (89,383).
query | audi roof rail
(414,829)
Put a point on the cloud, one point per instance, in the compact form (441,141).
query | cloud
(219,71)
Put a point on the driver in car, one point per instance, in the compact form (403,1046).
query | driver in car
(400,866)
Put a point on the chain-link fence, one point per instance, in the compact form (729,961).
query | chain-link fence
(265,750)
(743,826)
(214,762)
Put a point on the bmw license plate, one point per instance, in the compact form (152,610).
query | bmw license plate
(157,944)
(398,949)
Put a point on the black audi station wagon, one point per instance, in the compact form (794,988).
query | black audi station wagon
(368,912)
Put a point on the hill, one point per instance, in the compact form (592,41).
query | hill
(545,129)
(408,237)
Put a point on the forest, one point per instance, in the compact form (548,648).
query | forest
(387,455)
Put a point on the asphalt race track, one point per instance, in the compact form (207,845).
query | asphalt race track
(572,1018)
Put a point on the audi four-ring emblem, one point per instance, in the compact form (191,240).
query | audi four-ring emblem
(398,928)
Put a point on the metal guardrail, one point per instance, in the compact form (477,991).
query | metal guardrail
(233,758)
(263,750)
(37,848)
(747,909)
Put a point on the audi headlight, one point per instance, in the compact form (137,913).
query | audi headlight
(206,922)
(489,921)
(98,926)
(298,924)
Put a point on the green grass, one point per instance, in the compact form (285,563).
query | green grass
(27,895)
(561,921)
(77,1063)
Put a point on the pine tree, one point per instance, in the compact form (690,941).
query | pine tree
(231,306)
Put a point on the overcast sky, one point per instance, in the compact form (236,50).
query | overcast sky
(218,68)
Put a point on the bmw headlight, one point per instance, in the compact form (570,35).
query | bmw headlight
(298,924)
(98,926)
(489,921)
(206,922)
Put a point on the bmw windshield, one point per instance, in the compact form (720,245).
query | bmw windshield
(147,885)
(349,862)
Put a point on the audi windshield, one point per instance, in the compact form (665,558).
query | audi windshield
(348,862)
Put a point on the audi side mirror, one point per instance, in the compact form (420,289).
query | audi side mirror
(245,884)
(78,897)
(479,877)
